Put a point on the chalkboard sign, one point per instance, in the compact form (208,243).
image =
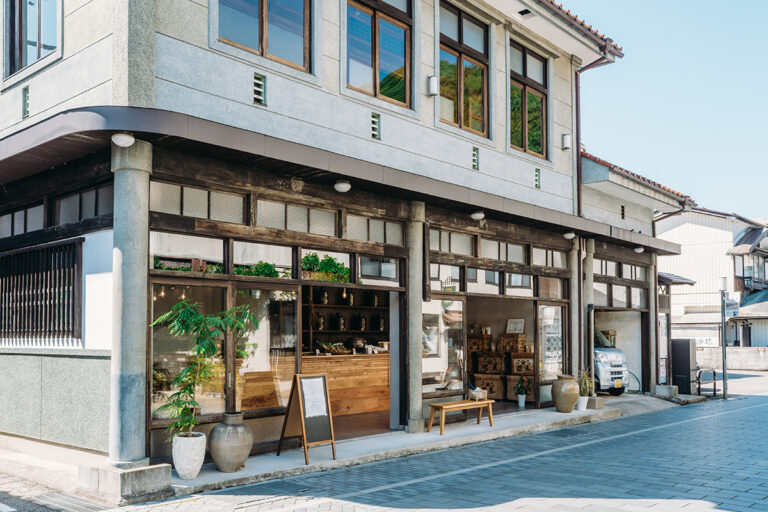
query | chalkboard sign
(309,414)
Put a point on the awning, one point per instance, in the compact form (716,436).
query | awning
(754,305)
(672,279)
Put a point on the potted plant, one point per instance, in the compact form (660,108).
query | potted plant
(522,388)
(187,319)
(586,386)
(326,269)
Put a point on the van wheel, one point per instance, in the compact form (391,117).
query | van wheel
(616,391)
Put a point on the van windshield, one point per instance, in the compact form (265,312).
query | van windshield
(601,341)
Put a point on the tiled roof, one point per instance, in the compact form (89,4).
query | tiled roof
(581,25)
(635,176)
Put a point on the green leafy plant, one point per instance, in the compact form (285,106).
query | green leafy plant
(311,262)
(337,272)
(260,269)
(187,319)
(158,264)
(523,386)
(214,268)
(586,382)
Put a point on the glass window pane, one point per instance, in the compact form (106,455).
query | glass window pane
(67,210)
(474,35)
(516,115)
(559,259)
(619,296)
(535,123)
(486,281)
(597,266)
(48,29)
(35,218)
(639,298)
(471,274)
(239,22)
(445,244)
(516,59)
(6,223)
(297,218)
(400,4)
(444,278)
(370,266)
(611,268)
(105,196)
(88,204)
(449,87)
(519,285)
(171,354)
(535,68)
(266,353)
(195,203)
(739,265)
(376,233)
(325,266)
(474,103)
(442,348)
(449,24)
(516,253)
(379,271)
(359,49)
(550,288)
(322,222)
(394,233)
(270,215)
(640,274)
(164,198)
(170,251)
(461,244)
(262,260)
(540,257)
(29,22)
(357,227)
(551,339)
(434,240)
(227,207)
(18,222)
(392,63)
(600,291)
(489,249)
(285,30)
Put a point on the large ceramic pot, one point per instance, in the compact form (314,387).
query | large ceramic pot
(565,392)
(188,452)
(230,443)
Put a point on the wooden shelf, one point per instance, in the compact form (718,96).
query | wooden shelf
(345,331)
(346,306)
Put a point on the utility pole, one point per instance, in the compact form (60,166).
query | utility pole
(723,299)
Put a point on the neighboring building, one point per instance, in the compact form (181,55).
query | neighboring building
(158,151)
(715,245)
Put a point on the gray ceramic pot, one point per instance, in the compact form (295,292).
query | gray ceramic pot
(230,443)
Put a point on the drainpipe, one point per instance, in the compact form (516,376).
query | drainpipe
(595,63)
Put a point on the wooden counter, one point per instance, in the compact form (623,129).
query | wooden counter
(356,383)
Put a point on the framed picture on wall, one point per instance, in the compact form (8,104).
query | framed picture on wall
(515,325)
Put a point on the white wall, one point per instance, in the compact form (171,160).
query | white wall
(97,290)
(607,208)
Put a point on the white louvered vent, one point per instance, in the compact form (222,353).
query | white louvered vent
(375,126)
(25,102)
(476,158)
(537,178)
(259,89)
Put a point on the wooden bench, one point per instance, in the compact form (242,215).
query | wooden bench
(459,405)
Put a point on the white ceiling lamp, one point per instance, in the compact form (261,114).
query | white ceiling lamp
(342,186)
(123,139)
(478,215)
(569,235)
(639,250)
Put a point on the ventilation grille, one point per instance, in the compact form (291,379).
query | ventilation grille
(25,102)
(623,212)
(475,158)
(375,126)
(537,178)
(259,89)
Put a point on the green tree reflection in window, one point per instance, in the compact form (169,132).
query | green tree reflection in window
(516,115)
(535,123)
(449,87)
(474,111)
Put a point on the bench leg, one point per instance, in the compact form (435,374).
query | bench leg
(431,418)
(490,415)
(479,414)
(442,421)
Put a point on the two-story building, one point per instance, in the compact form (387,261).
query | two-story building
(377,179)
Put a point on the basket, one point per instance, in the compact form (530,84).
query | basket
(477,394)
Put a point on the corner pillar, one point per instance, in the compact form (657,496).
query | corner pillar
(127,415)
(414,294)
(587,312)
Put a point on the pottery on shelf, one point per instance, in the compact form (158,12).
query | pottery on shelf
(188,451)
(565,392)
(230,443)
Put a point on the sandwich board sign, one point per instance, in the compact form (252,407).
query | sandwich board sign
(309,414)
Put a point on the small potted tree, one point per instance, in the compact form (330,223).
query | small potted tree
(586,385)
(187,319)
(522,388)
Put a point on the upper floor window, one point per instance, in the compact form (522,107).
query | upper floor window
(448,241)
(527,100)
(277,29)
(83,205)
(374,230)
(378,48)
(738,268)
(549,258)
(605,267)
(271,214)
(21,221)
(196,202)
(463,70)
(32,31)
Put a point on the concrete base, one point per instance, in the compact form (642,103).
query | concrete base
(125,486)
(665,392)
(595,402)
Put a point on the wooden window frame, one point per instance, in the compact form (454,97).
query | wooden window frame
(285,205)
(379,261)
(527,85)
(381,10)
(464,52)
(264,40)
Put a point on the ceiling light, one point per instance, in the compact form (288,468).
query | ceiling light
(639,250)
(478,215)
(569,235)
(342,186)
(123,139)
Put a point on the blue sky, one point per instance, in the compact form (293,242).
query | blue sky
(687,106)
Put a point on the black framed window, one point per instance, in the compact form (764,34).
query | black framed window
(22,221)
(32,31)
(463,70)
(379,49)
(527,100)
(277,29)
(84,205)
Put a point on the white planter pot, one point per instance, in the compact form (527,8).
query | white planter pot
(581,403)
(521,401)
(188,454)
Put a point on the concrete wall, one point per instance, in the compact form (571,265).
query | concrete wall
(57,396)
(628,327)
(607,208)
(739,358)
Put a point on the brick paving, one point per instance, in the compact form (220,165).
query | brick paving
(21,495)
(710,456)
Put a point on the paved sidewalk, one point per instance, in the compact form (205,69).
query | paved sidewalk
(22,495)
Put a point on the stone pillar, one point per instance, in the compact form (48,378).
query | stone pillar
(414,294)
(575,309)
(653,320)
(589,298)
(130,255)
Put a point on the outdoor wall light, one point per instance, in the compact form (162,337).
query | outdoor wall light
(123,139)
(342,186)
(639,250)
(478,215)
(567,141)
(433,86)
(569,235)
